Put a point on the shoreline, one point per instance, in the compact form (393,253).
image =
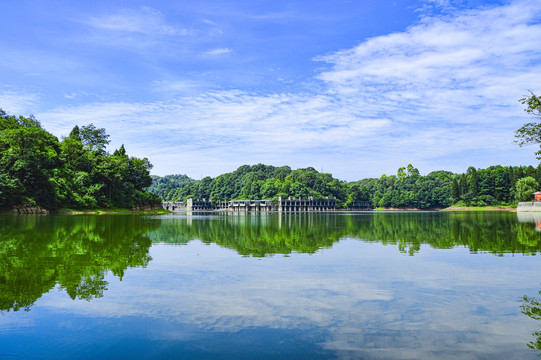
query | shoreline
(111,211)
(454,208)
(93,212)
(162,211)
(481,208)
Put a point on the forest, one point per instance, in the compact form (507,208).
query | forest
(73,173)
(493,186)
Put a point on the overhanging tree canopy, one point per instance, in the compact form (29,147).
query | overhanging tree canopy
(530,133)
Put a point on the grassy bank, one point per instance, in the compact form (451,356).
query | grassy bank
(455,208)
(481,208)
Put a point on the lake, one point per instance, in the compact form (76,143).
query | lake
(369,285)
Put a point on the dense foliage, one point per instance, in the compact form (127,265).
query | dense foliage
(496,185)
(166,186)
(408,189)
(75,172)
(259,182)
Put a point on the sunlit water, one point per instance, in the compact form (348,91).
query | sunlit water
(299,286)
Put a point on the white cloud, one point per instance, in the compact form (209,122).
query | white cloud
(222,125)
(361,295)
(441,95)
(469,51)
(16,103)
(218,51)
(179,86)
(145,21)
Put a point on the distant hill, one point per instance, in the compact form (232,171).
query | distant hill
(166,186)
(495,185)
(255,182)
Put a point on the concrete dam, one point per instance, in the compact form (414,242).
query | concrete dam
(283,205)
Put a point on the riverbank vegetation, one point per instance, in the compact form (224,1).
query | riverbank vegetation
(496,186)
(75,172)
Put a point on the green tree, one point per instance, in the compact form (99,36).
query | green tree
(463,185)
(455,192)
(29,155)
(525,188)
(473,184)
(401,173)
(530,133)
(93,138)
(412,171)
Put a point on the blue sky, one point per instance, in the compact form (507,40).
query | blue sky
(354,88)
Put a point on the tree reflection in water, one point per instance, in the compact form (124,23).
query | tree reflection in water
(75,252)
(531,306)
(267,234)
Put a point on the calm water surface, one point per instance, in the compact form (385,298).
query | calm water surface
(300,286)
